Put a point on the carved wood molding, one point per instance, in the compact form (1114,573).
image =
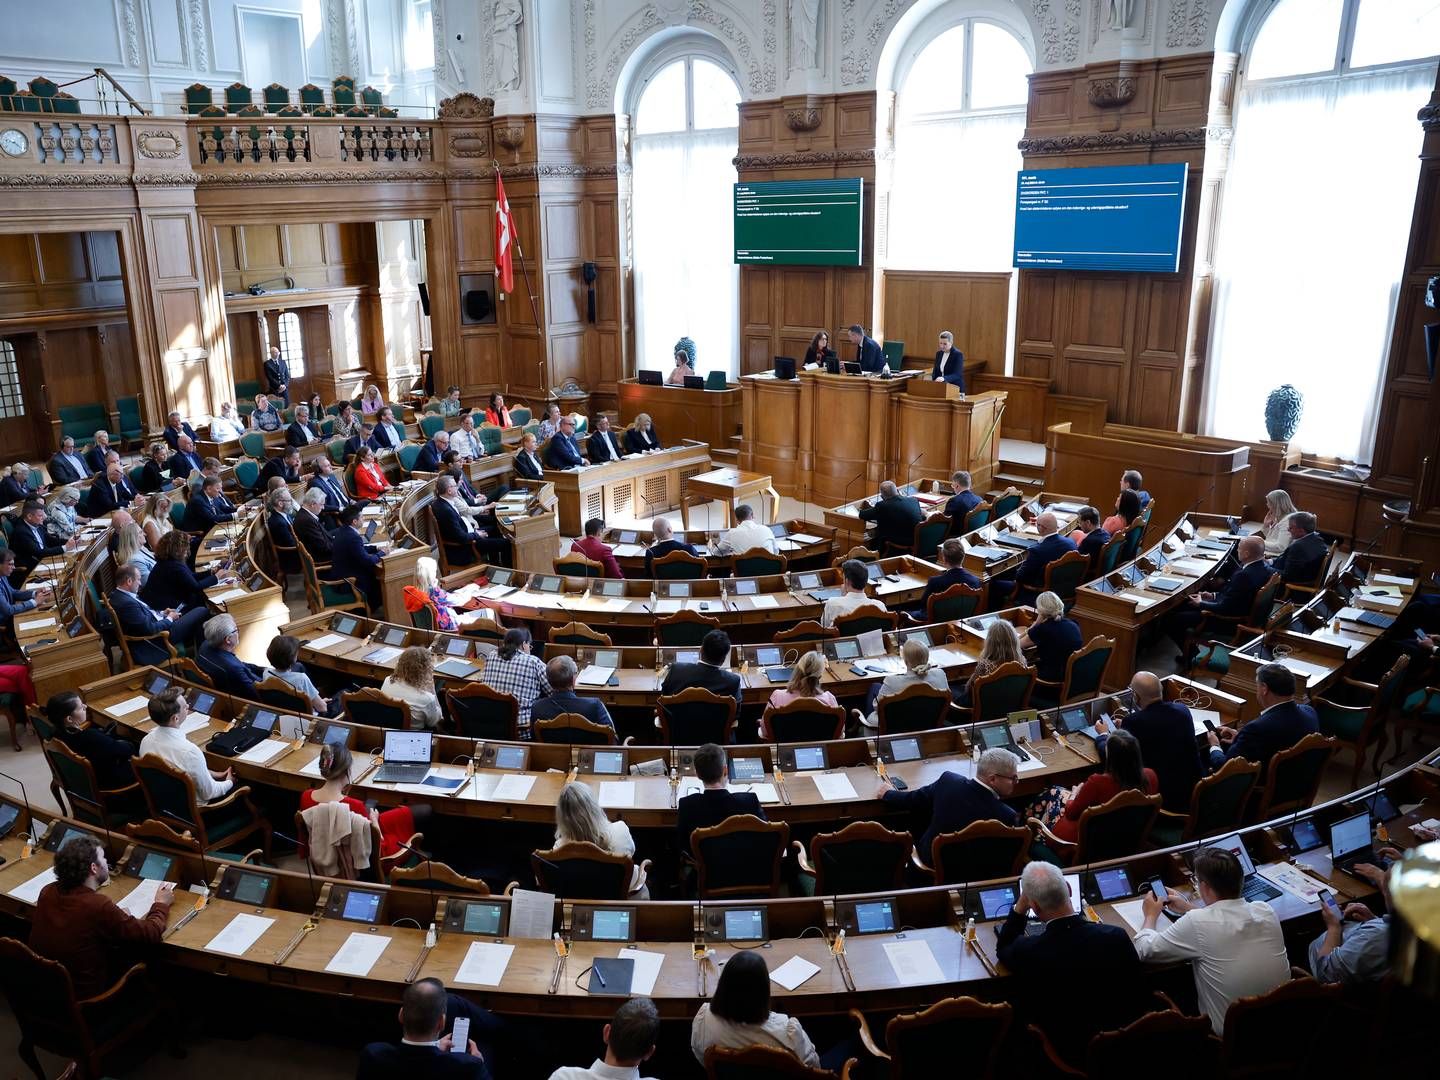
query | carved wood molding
(470,144)
(1429,115)
(1116,140)
(510,136)
(467,106)
(532,171)
(65,180)
(158,145)
(807,157)
(1112,93)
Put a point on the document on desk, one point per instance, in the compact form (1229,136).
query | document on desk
(129,705)
(667,606)
(804,538)
(484,964)
(944,658)
(264,752)
(764,792)
(1030,763)
(513,788)
(627,551)
(646,971)
(1294,881)
(228,594)
(194,722)
(358,955)
(495,592)
(138,901)
(609,603)
(382,655)
(617,793)
(1201,715)
(872,643)
(794,972)
(913,963)
(35,624)
(240,933)
(532,914)
(1392,579)
(594,675)
(1133,912)
(764,600)
(329,641)
(834,786)
(29,891)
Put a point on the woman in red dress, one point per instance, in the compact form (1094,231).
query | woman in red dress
(370,482)
(397,825)
(1123,771)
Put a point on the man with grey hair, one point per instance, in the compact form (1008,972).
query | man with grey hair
(560,672)
(1235,600)
(301,431)
(217,658)
(953,801)
(464,543)
(949,363)
(747,534)
(175,426)
(1301,562)
(281,506)
(895,517)
(1072,952)
(428,460)
(308,527)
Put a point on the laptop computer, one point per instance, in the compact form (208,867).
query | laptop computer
(1351,842)
(649,377)
(694,382)
(407,757)
(1254,886)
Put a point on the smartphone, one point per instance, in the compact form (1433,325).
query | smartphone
(1158,888)
(1328,899)
(898,784)
(460,1037)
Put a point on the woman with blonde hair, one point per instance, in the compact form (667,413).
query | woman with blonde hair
(448,619)
(371,402)
(1002,646)
(130,548)
(61,518)
(157,521)
(640,436)
(579,819)
(1278,508)
(804,684)
(413,682)
(918,669)
(1054,636)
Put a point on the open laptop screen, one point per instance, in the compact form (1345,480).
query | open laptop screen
(1349,835)
(403,747)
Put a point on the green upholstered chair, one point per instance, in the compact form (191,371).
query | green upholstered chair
(1110,554)
(27,102)
(1134,537)
(1005,690)
(80,422)
(982,851)
(132,428)
(481,712)
(757,562)
(370,708)
(1084,672)
(955,603)
(198,98)
(45,92)
(238,96)
(490,438)
(977,517)
(407,454)
(862,857)
(430,424)
(276,97)
(253,444)
(326,593)
(920,707)
(715,380)
(520,415)
(1066,574)
(894,354)
(88,801)
(1217,805)
(1294,777)
(1008,502)
(311,97)
(336,449)
(678,566)
(696,716)
(170,797)
(803,720)
(342,92)
(683,629)
(247,474)
(866,619)
(65,103)
(1113,830)
(1356,713)
(371,99)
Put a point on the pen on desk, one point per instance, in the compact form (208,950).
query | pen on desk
(599,977)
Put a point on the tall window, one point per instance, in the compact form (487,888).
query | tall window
(12,398)
(1315,215)
(686,122)
(292,346)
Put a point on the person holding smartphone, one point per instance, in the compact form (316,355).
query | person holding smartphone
(1355,948)
(426,1049)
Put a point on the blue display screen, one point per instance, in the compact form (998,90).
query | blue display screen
(1111,217)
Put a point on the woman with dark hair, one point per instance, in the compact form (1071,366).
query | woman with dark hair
(497,413)
(397,825)
(819,344)
(1124,771)
(514,671)
(1127,509)
(739,1014)
(172,584)
(347,424)
(370,482)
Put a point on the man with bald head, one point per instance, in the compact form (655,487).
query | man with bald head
(1166,733)
(663,544)
(895,517)
(1030,578)
(1236,599)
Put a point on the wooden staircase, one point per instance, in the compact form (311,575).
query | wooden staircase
(1029,478)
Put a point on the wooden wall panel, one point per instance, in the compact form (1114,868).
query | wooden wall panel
(316,254)
(974,307)
(59,272)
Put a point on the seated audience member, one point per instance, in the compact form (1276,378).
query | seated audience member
(309,530)
(95,457)
(337,770)
(1354,950)
(711,673)
(351,557)
(413,682)
(816,350)
(1301,562)
(364,437)
(954,801)
(475,504)
(227,427)
(466,441)
(15,601)
(1055,637)
(738,1015)
(1236,947)
(15,679)
(602,444)
(203,512)
(1165,731)
(464,543)
(1131,480)
(388,434)
(61,519)
(1127,509)
(804,685)
(1072,951)
(952,554)
(130,549)
(287,467)
(550,424)
(185,462)
(67,466)
(514,670)
(641,436)
(217,659)
(684,363)
(283,654)
(580,820)
(137,619)
(450,403)
(1030,578)
(1001,646)
(747,535)
(1124,771)
(714,802)
(894,516)
(428,460)
(370,482)
(562,452)
(918,669)
(1276,526)
(108,754)
(1090,538)
(265,417)
(87,933)
(174,428)
(1236,599)
(323,479)
(209,468)
(153,476)
(111,492)
(629,1043)
(371,402)
(172,584)
(347,422)
(560,673)
(854,580)
(662,543)
(595,549)
(158,522)
(1282,722)
(316,404)
(949,363)
(527,461)
(963,501)
(425,1051)
(168,710)
(302,430)
(447,618)
(497,413)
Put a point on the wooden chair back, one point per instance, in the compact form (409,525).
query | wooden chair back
(371,708)
(804,720)
(679,566)
(1187,1043)
(574,729)
(982,851)
(920,707)
(865,618)
(917,1040)
(695,716)
(1294,776)
(684,628)
(806,630)
(1217,804)
(1259,1038)
(764,1063)
(577,633)
(582,871)
(739,858)
(1117,828)
(862,857)
(480,712)
(1002,691)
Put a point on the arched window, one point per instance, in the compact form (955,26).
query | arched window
(292,346)
(686,125)
(1315,214)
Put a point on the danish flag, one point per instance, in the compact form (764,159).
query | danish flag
(504,240)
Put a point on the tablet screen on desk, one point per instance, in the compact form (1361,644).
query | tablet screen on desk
(607,658)
(747,768)
(264,720)
(677,589)
(767,655)
(687,656)
(905,749)
(155,865)
(746,587)
(610,588)
(510,757)
(807,581)
(156,683)
(1073,720)
(610,762)
(922,636)
(393,635)
(1113,884)
(457,647)
(744,924)
(627,537)
(809,757)
(481,919)
(251,888)
(846,649)
(547,584)
(996,903)
(204,703)
(501,577)
(345,624)
(610,924)
(992,736)
(877,917)
(8,816)
(361,906)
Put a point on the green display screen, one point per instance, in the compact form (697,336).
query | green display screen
(799,222)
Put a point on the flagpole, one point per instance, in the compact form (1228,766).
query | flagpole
(529,292)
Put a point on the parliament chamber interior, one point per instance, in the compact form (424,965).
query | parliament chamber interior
(929,508)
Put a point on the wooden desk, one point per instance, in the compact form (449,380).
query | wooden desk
(938,432)
(634,488)
(729,487)
(808,545)
(708,416)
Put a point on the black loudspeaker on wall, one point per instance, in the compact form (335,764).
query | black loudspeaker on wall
(476,299)
(424,299)
(590,273)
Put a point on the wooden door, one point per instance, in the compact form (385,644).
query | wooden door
(24,413)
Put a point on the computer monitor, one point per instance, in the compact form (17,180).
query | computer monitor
(649,377)
(784,367)
(408,747)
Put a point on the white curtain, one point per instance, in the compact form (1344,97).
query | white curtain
(686,281)
(1314,222)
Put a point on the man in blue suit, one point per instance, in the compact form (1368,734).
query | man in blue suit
(324,480)
(174,428)
(351,557)
(110,492)
(15,601)
(302,430)
(464,543)
(561,452)
(432,452)
(138,619)
(949,363)
(202,512)
(561,672)
(952,554)
(185,460)
(1030,578)
(1282,722)
(388,434)
(1088,522)
(425,1053)
(32,541)
(1236,600)
(366,437)
(963,501)
(287,466)
(68,467)
(217,658)
(1302,561)
(954,801)
(870,354)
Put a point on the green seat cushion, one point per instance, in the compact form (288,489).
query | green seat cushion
(1422,702)
(233,822)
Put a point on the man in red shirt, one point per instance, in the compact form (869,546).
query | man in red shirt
(592,547)
(86,932)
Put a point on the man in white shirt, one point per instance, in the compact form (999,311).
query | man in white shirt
(1236,947)
(603,445)
(746,535)
(466,441)
(168,710)
(225,427)
(629,1043)
(854,578)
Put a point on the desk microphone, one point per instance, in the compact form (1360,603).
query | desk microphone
(200,849)
(29,813)
(859,476)
(913,460)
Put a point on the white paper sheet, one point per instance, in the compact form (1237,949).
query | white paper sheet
(513,788)
(228,594)
(834,786)
(194,722)
(383,655)
(1077,901)
(1391,579)
(766,793)
(532,914)
(1384,601)
(804,538)
(313,768)
(1028,766)
(1294,881)
(239,935)
(689,785)
(266,751)
(29,891)
(667,606)
(794,972)
(129,705)
(617,793)
(1133,912)
(764,600)
(326,642)
(647,969)
(872,643)
(484,964)
(595,676)
(35,624)
(913,963)
(358,955)
(139,900)
(495,592)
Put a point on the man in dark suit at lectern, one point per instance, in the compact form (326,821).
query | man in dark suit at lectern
(870,355)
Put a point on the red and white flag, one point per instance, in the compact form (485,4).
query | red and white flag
(504,241)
